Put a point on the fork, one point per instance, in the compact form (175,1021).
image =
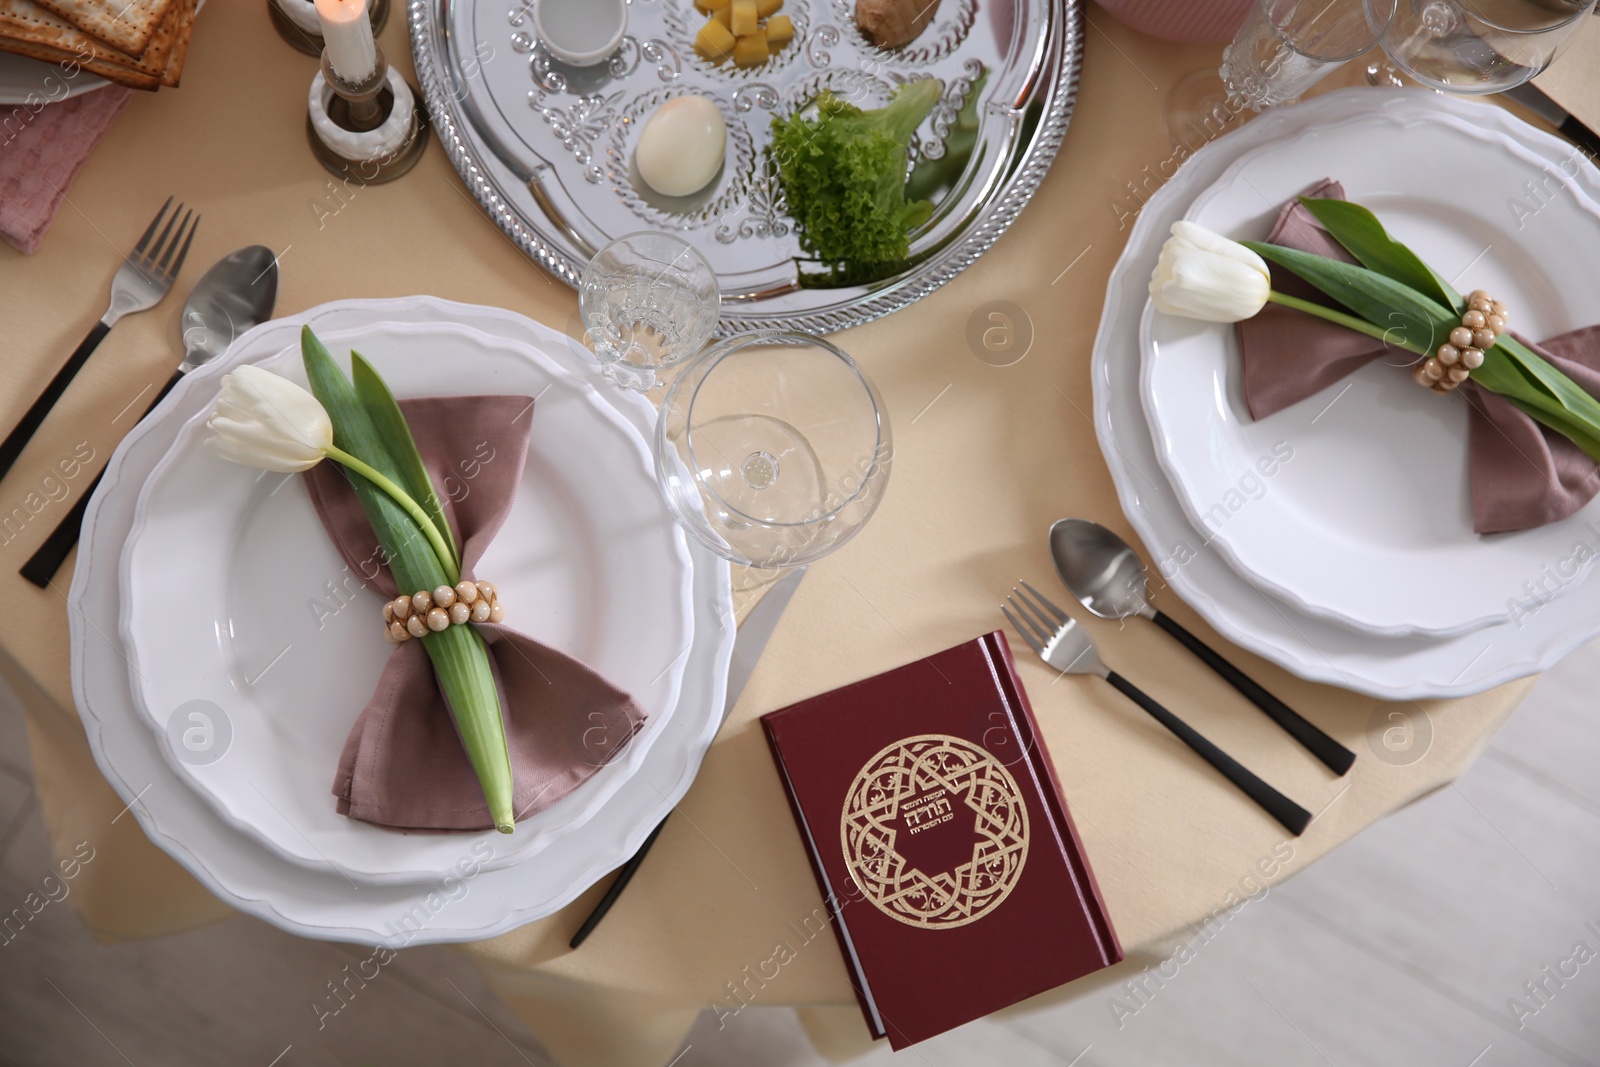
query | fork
(1062,643)
(143,279)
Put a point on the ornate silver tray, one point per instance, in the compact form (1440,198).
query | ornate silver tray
(547,149)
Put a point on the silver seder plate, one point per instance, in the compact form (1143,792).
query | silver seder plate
(547,149)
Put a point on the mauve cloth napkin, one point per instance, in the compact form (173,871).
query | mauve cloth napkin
(1522,474)
(41,150)
(403,764)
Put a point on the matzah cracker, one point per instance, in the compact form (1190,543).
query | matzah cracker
(126,25)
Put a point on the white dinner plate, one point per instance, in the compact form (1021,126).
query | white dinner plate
(469,903)
(274,633)
(32,83)
(1539,632)
(1354,504)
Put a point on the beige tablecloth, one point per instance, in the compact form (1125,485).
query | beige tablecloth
(986,458)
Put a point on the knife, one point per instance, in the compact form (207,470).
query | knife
(747,648)
(1569,126)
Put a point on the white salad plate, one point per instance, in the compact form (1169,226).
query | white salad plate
(32,83)
(233,596)
(465,900)
(1354,504)
(1541,628)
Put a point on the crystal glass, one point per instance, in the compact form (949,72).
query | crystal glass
(773,448)
(1287,46)
(648,301)
(1284,48)
(1479,46)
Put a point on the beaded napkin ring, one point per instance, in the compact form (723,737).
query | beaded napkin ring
(423,612)
(1481,324)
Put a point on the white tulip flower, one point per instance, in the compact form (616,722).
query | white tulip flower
(266,421)
(1203,275)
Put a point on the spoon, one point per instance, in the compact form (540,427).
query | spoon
(238,292)
(1108,578)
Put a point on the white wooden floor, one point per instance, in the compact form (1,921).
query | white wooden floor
(1406,947)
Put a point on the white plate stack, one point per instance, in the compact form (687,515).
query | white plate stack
(275,646)
(1335,537)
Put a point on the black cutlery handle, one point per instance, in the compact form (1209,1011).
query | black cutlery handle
(625,875)
(43,564)
(1337,758)
(23,432)
(1293,817)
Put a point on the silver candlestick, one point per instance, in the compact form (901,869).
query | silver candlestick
(369,143)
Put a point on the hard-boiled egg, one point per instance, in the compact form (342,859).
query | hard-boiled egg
(681,145)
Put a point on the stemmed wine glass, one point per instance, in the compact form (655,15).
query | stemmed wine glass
(1478,46)
(773,448)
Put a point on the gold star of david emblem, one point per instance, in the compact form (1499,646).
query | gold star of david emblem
(925,796)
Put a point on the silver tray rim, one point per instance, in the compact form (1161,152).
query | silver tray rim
(988,225)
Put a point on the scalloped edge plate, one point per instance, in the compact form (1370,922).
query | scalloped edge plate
(468,902)
(1390,668)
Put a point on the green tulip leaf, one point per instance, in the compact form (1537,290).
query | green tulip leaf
(395,437)
(1364,237)
(1406,318)
(459,657)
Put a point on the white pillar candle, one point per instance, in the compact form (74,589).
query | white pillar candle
(347,37)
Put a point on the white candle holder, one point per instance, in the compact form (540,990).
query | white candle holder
(296,22)
(370,131)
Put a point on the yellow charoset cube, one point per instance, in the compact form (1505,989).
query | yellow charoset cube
(751,31)
(744,17)
(751,49)
(715,42)
(780,31)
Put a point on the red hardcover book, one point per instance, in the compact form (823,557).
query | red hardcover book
(941,842)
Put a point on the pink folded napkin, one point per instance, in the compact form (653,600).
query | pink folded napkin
(1522,474)
(403,765)
(42,148)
